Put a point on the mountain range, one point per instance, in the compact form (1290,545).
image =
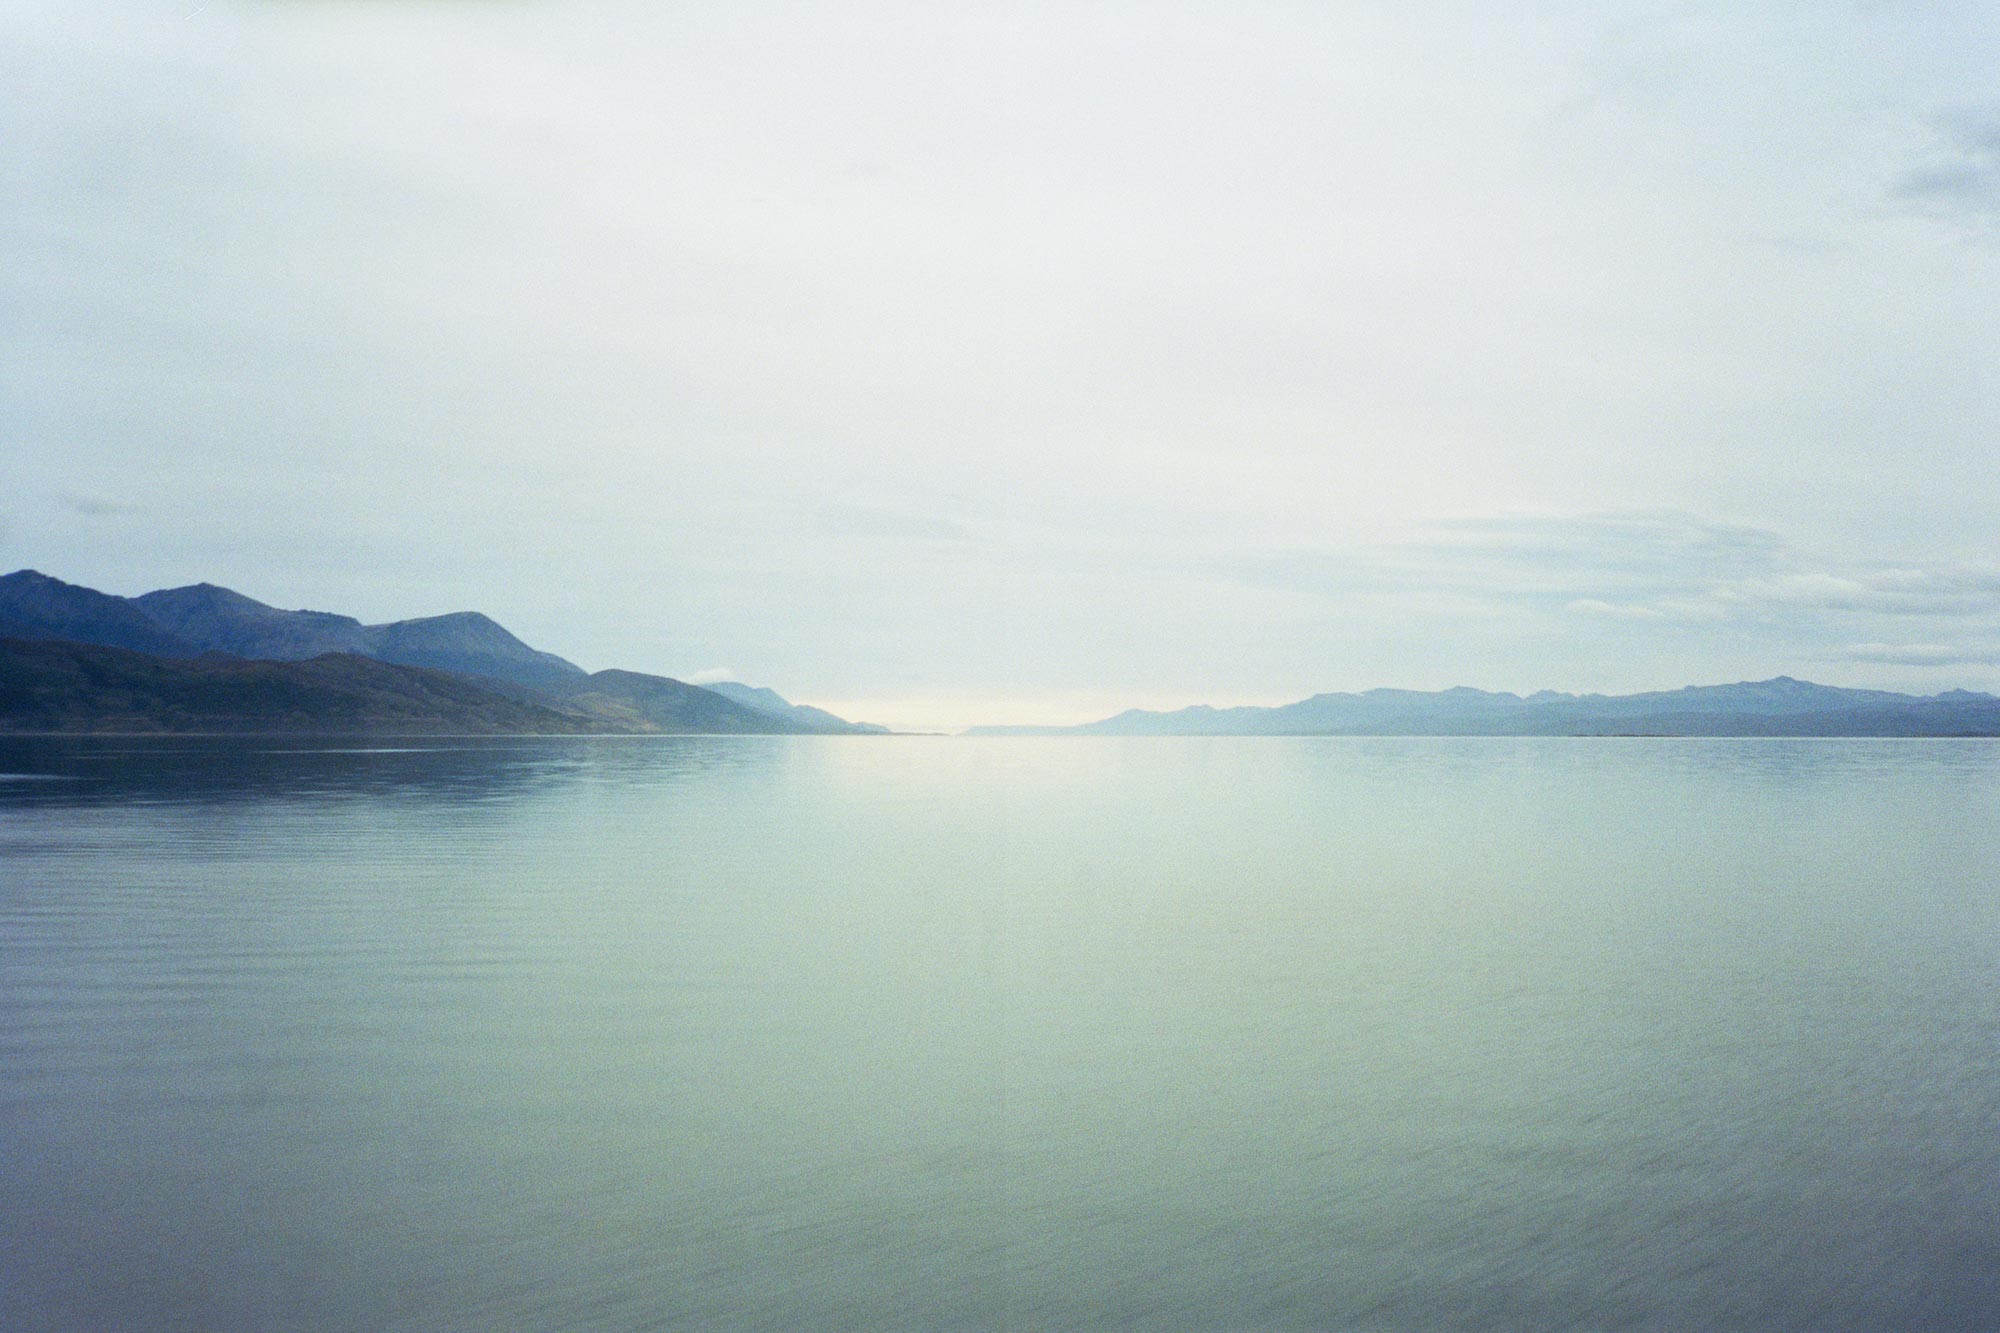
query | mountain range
(215,619)
(205,658)
(1780,706)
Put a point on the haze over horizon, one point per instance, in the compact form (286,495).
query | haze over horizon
(1027,364)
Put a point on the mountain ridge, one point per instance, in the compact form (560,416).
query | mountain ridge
(61,686)
(507,683)
(34,605)
(1779,706)
(469,642)
(54,686)
(766,700)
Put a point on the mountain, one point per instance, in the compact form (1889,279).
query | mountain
(1781,706)
(635,700)
(50,685)
(35,606)
(475,645)
(318,671)
(223,621)
(470,642)
(228,622)
(771,702)
(58,686)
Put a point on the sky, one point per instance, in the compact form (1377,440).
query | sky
(945,365)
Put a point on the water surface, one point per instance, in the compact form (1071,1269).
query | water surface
(1011,1033)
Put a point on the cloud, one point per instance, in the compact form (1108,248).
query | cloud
(1668,564)
(98,506)
(1944,590)
(1633,531)
(1667,567)
(1640,563)
(1632,541)
(1924,654)
(1592,606)
(993,356)
(1962,180)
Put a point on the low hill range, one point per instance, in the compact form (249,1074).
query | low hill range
(1780,706)
(205,658)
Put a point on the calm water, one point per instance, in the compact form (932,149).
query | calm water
(926,1033)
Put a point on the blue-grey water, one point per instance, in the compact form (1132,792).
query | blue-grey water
(920,1033)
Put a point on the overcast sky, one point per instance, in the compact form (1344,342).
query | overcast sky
(1012,362)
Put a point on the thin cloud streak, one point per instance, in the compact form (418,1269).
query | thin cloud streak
(1926,654)
(98,506)
(1659,564)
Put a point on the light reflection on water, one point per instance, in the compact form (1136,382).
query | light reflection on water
(910,1032)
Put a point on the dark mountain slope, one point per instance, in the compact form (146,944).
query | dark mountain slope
(59,686)
(228,622)
(466,641)
(35,606)
(313,670)
(470,642)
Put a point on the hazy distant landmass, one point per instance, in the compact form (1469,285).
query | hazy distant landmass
(770,701)
(1781,706)
(204,658)
(661,703)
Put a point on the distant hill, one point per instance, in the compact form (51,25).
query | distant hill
(224,621)
(770,701)
(1781,706)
